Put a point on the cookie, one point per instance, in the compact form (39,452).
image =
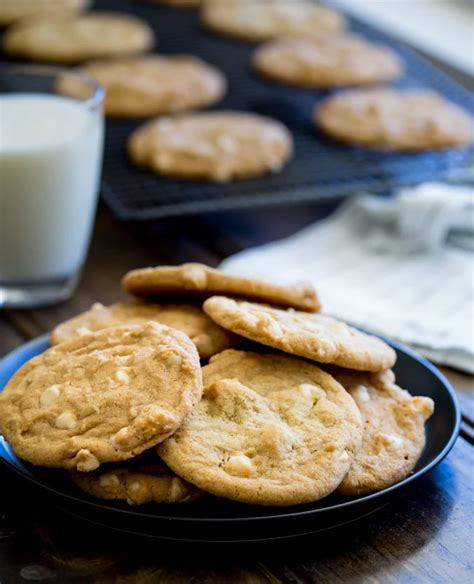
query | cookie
(269,430)
(67,38)
(201,280)
(392,119)
(12,10)
(327,62)
(216,146)
(188,318)
(394,431)
(313,336)
(253,21)
(154,85)
(137,484)
(103,397)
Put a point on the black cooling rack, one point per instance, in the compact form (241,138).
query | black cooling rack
(320,169)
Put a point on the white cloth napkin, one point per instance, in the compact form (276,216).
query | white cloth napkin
(402,267)
(442,28)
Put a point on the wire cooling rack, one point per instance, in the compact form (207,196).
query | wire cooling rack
(321,168)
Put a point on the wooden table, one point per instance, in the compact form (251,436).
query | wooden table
(422,537)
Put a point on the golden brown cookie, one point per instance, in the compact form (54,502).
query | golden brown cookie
(208,337)
(68,38)
(137,484)
(327,62)
(313,336)
(201,280)
(261,20)
(270,430)
(154,85)
(394,430)
(216,146)
(12,10)
(393,119)
(103,397)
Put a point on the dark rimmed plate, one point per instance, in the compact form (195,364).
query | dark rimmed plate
(218,520)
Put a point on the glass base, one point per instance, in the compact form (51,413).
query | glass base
(31,295)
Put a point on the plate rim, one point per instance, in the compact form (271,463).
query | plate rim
(15,353)
(225,541)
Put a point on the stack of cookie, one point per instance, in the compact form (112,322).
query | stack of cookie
(252,396)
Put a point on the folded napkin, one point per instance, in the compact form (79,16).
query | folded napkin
(400,266)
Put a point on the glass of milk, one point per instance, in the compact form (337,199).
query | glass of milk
(51,150)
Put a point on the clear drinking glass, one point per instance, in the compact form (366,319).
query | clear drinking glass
(51,146)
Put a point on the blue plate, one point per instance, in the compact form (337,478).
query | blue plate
(216,520)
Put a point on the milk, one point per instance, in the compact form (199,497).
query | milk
(50,161)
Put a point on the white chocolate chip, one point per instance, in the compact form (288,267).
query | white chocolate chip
(310,391)
(273,328)
(120,435)
(361,393)
(97,306)
(392,442)
(240,465)
(134,486)
(177,140)
(343,457)
(271,134)
(49,396)
(145,352)
(134,405)
(86,461)
(83,330)
(174,359)
(227,143)
(250,319)
(195,276)
(201,148)
(109,480)
(66,421)
(122,376)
